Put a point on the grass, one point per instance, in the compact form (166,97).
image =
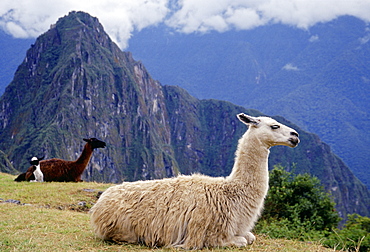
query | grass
(49,218)
(61,196)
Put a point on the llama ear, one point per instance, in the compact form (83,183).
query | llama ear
(86,140)
(41,158)
(249,120)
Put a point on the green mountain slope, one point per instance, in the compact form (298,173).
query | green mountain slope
(76,83)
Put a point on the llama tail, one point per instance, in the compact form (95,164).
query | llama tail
(21,177)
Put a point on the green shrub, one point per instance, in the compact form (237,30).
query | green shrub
(301,200)
(296,207)
(353,237)
(284,228)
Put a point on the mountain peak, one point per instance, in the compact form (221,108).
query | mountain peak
(79,18)
(80,25)
(73,36)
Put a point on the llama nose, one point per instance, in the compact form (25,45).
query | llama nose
(293,133)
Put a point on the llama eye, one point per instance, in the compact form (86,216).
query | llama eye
(275,126)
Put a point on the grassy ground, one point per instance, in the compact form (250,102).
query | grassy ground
(50,218)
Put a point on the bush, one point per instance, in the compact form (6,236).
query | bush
(284,228)
(353,237)
(297,207)
(300,199)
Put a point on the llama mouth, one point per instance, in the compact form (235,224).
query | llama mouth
(294,141)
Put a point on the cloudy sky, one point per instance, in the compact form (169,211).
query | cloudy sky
(30,18)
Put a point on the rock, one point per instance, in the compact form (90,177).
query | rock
(99,194)
(82,204)
(89,190)
(12,201)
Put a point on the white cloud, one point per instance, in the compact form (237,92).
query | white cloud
(314,38)
(244,18)
(222,15)
(247,14)
(290,67)
(24,18)
(365,39)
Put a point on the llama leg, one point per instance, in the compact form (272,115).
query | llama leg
(237,241)
(120,237)
(241,241)
(78,179)
(250,238)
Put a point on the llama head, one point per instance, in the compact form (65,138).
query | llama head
(270,131)
(35,160)
(95,143)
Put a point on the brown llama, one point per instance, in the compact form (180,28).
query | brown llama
(62,170)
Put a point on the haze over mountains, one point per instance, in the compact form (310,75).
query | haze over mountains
(75,82)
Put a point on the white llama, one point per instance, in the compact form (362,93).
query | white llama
(196,211)
(39,176)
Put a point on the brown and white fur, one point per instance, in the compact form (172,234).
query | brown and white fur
(62,170)
(39,176)
(196,211)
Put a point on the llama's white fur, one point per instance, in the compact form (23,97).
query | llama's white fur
(39,176)
(196,211)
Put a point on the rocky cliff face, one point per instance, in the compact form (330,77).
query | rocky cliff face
(76,83)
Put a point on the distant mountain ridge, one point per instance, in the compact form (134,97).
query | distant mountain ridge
(317,78)
(75,83)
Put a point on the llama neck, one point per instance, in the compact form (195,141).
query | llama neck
(251,165)
(85,156)
(38,167)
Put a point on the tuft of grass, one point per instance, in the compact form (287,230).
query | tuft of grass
(49,219)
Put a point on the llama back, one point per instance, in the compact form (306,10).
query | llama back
(57,170)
